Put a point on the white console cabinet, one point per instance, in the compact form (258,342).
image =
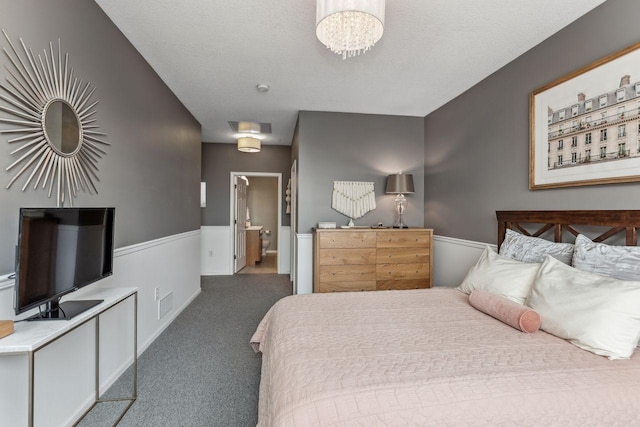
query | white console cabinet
(52,372)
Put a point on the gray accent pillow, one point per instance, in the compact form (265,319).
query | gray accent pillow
(534,249)
(621,262)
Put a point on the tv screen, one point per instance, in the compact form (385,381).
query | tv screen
(61,250)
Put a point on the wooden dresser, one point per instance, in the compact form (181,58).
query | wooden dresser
(371,259)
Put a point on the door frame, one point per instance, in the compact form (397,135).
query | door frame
(293,277)
(232,201)
(238,225)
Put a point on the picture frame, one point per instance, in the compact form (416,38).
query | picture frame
(585,126)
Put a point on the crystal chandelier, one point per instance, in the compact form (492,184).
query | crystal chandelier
(349,27)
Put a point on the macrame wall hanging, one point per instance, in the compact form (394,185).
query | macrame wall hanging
(353,199)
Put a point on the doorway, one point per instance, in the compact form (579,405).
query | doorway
(255,218)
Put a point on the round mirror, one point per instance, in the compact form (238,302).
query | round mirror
(61,127)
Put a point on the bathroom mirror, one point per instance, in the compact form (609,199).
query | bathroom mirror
(61,126)
(53,123)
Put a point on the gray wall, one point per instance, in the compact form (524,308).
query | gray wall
(477,146)
(262,200)
(219,160)
(152,169)
(357,147)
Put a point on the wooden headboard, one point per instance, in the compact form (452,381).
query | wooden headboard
(616,221)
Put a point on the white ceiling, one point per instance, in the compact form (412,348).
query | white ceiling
(213,53)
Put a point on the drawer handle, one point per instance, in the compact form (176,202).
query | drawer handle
(361,290)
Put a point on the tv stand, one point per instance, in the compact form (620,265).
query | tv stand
(54,373)
(65,310)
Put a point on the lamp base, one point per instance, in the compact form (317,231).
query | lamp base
(400,226)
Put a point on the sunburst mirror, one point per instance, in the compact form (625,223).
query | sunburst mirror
(53,122)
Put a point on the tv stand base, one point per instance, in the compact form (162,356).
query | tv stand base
(66,310)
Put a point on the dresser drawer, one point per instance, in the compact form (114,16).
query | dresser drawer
(347,256)
(402,255)
(365,285)
(347,239)
(402,239)
(402,284)
(346,273)
(402,271)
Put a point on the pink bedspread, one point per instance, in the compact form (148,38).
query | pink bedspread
(426,357)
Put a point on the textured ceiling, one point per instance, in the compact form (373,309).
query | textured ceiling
(212,53)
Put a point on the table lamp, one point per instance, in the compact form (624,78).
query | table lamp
(400,184)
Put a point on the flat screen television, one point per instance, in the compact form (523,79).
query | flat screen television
(59,251)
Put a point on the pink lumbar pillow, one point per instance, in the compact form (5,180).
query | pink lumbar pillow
(506,311)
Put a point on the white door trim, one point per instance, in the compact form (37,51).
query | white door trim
(293,269)
(239,223)
(232,201)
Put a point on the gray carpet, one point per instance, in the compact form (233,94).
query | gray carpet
(201,370)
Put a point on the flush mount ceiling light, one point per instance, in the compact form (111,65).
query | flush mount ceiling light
(349,27)
(249,145)
(248,127)
(249,135)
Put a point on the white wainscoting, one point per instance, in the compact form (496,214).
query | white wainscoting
(216,253)
(216,258)
(304,269)
(452,259)
(171,264)
(284,250)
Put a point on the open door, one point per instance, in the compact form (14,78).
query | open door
(240,229)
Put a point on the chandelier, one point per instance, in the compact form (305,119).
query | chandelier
(349,27)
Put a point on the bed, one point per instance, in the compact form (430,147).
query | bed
(426,357)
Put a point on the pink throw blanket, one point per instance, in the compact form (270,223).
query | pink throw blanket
(427,358)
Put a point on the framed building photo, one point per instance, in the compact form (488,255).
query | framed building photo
(585,126)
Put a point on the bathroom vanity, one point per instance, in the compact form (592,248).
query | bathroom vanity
(254,246)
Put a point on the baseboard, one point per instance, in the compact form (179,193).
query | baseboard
(104,386)
(152,338)
(216,273)
(84,408)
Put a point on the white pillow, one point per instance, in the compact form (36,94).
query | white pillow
(503,276)
(621,262)
(533,249)
(596,313)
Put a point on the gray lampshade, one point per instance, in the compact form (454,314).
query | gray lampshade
(400,183)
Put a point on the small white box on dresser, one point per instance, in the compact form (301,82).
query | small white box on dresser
(326,224)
